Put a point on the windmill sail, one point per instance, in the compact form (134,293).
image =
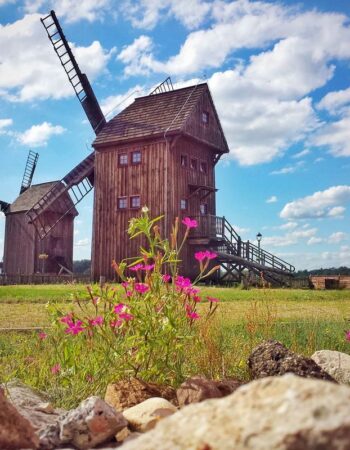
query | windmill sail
(77,79)
(31,163)
(4,206)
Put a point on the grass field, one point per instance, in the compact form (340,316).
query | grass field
(303,320)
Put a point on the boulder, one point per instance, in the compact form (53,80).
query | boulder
(146,415)
(273,358)
(336,364)
(15,431)
(93,422)
(127,393)
(199,388)
(274,413)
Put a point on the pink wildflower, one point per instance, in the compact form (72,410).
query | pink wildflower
(67,319)
(42,335)
(200,256)
(148,267)
(56,368)
(166,278)
(190,223)
(116,323)
(192,315)
(128,293)
(74,328)
(136,267)
(125,284)
(96,321)
(126,316)
(182,282)
(196,298)
(347,335)
(119,308)
(141,288)
(191,290)
(212,299)
(210,255)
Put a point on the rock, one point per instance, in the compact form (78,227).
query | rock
(273,358)
(197,389)
(336,364)
(274,413)
(92,423)
(15,431)
(34,406)
(127,393)
(146,415)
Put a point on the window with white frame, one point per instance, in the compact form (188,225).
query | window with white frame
(135,201)
(205,117)
(136,157)
(183,204)
(122,202)
(123,159)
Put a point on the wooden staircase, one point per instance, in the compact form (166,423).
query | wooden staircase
(236,256)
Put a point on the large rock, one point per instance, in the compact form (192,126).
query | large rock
(15,431)
(336,364)
(274,413)
(273,358)
(146,415)
(127,393)
(93,422)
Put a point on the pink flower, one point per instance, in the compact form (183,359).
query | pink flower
(74,328)
(95,300)
(193,315)
(125,284)
(119,308)
(42,335)
(182,282)
(347,335)
(190,223)
(136,267)
(68,318)
(196,298)
(148,267)
(210,255)
(166,278)
(126,316)
(96,321)
(128,293)
(213,299)
(141,288)
(191,290)
(200,256)
(56,369)
(116,323)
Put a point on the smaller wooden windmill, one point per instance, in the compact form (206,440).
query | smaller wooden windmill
(24,252)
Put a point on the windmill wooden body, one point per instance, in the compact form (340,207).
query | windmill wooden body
(161,151)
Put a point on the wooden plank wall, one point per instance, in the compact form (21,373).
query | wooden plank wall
(320,282)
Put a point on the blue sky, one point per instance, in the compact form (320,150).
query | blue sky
(280,78)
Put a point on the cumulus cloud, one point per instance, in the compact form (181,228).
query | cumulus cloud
(337,237)
(38,135)
(301,154)
(327,203)
(113,104)
(4,124)
(36,73)
(334,101)
(314,240)
(335,136)
(289,226)
(82,243)
(272,199)
(135,56)
(290,238)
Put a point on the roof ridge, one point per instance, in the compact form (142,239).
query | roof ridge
(174,90)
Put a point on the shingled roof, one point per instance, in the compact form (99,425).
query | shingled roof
(152,115)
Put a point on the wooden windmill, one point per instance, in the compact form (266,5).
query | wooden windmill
(161,151)
(23,246)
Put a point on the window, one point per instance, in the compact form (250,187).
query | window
(203,209)
(183,161)
(123,159)
(193,164)
(203,168)
(136,157)
(183,204)
(205,117)
(122,202)
(135,202)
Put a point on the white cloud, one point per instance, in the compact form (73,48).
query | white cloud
(336,136)
(82,243)
(283,171)
(316,260)
(272,199)
(290,238)
(34,72)
(4,124)
(147,13)
(337,237)
(334,101)
(115,103)
(38,135)
(241,230)
(289,226)
(314,240)
(71,10)
(135,55)
(325,203)
(301,154)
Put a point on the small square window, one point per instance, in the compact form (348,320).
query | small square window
(135,202)
(183,161)
(203,168)
(203,209)
(136,157)
(123,159)
(183,204)
(193,164)
(122,202)
(205,117)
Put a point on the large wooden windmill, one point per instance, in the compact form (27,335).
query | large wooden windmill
(160,151)
(24,252)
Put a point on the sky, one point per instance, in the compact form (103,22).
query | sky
(280,79)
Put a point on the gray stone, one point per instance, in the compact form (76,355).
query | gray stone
(146,415)
(274,413)
(93,422)
(336,364)
(272,358)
